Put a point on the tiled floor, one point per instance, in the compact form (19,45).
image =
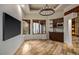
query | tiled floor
(40,47)
(75,49)
(71,51)
(46,47)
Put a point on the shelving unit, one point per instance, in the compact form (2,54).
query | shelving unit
(77,26)
(73,27)
(75,32)
(56,23)
(57,27)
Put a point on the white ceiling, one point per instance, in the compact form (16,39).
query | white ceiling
(39,6)
(34,8)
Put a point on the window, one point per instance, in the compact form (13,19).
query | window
(26,26)
(39,26)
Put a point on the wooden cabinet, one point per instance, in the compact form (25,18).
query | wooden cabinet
(56,36)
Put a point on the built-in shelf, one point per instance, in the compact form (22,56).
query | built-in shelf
(73,27)
(57,23)
(57,26)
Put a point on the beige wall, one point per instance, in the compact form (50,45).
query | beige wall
(11,45)
(39,17)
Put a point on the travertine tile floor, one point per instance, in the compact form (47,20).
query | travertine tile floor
(40,47)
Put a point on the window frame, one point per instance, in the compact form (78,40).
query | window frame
(29,22)
(39,21)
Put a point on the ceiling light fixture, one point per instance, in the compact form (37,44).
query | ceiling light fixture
(46,11)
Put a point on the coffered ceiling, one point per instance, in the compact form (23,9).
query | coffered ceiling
(39,6)
(34,8)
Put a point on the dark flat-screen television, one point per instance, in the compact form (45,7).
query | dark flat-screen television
(11,26)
